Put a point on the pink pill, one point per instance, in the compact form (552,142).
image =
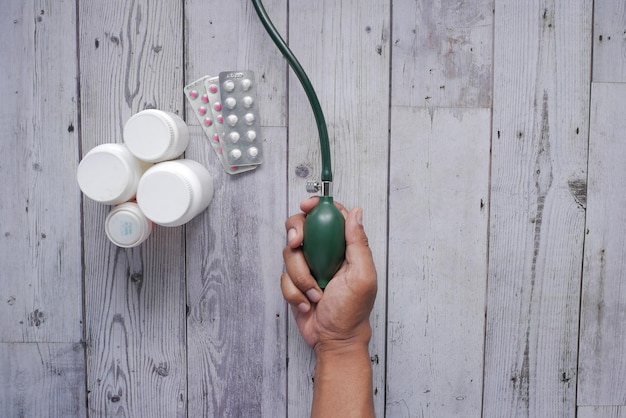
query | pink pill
(216,138)
(217,106)
(193,94)
(202,110)
(219,150)
(205,98)
(208,122)
(220,119)
(213,88)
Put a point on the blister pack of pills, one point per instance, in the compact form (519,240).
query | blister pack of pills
(228,113)
(241,118)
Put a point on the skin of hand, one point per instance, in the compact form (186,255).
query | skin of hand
(339,316)
(335,322)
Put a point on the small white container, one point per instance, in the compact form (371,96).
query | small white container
(173,192)
(110,173)
(126,226)
(154,135)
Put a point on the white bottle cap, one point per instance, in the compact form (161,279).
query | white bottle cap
(109,174)
(126,226)
(173,192)
(154,135)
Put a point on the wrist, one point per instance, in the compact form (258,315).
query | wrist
(355,343)
(343,378)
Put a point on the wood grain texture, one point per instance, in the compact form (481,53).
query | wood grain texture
(40,260)
(438,214)
(609,41)
(131,59)
(344,48)
(601,412)
(192,323)
(237,321)
(603,321)
(537,213)
(42,380)
(442,53)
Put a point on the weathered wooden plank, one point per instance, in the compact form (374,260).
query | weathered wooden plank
(442,52)
(609,41)
(131,59)
(538,193)
(601,412)
(602,368)
(40,206)
(438,215)
(439,171)
(42,380)
(237,321)
(348,65)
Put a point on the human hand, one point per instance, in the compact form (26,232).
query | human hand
(339,316)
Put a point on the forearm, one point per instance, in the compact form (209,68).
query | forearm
(343,382)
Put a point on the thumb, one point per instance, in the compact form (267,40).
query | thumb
(357,245)
(358,254)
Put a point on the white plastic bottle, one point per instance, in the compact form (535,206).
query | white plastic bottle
(174,192)
(154,135)
(110,173)
(126,226)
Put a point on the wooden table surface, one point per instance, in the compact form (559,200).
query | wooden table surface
(485,141)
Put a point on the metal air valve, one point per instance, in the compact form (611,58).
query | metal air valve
(313,186)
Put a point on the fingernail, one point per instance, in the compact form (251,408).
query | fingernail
(303,307)
(359,216)
(291,234)
(313,295)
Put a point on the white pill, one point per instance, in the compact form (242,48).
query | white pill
(246,84)
(231,120)
(247,101)
(253,152)
(236,154)
(230,102)
(249,118)
(234,137)
(229,85)
(251,135)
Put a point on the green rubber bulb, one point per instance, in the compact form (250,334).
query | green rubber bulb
(324,243)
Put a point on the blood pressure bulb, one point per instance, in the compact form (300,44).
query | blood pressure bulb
(324,243)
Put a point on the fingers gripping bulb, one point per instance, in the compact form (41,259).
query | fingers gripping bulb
(324,243)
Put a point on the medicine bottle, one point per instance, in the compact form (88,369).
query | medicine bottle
(173,192)
(126,226)
(154,135)
(110,173)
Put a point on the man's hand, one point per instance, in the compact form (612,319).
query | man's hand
(335,322)
(340,314)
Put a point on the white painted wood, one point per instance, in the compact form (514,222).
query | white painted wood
(438,215)
(237,317)
(140,360)
(344,48)
(609,41)
(601,412)
(40,260)
(538,193)
(439,181)
(131,58)
(42,380)
(603,320)
(442,53)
